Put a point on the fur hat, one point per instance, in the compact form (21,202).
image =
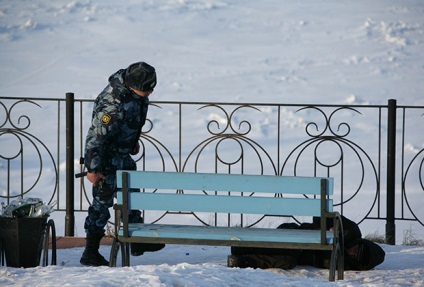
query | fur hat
(140,76)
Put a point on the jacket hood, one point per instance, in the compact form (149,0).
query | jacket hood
(116,81)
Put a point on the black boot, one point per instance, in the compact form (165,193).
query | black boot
(138,249)
(91,255)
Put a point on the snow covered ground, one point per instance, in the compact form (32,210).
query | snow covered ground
(271,51)
(195,266)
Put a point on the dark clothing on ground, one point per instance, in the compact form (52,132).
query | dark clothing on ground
(359,253)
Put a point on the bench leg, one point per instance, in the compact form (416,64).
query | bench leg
(332,275)
(340,264)
(337,262)
(125,254)
(337,254)
(114,250)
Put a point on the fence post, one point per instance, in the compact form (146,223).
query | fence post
(70,216)
(391,162)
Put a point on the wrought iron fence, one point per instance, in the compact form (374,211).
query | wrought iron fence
(374,152)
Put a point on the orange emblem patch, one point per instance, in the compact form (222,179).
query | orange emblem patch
(106,119)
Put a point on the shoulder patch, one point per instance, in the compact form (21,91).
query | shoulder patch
(106,119)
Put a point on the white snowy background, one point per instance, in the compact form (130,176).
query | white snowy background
(315,52)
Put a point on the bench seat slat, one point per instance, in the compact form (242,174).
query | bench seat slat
(191,232)
(278,206)
(224,182)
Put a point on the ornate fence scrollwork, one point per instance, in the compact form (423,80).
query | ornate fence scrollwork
(226,137)
(414,170)
(232,152)
(230,144)
(416,165)
(327,152)
(19,149)
(275,139)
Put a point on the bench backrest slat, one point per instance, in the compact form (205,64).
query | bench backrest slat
(225,204)
(225,182)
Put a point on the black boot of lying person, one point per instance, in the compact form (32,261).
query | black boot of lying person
(138,249)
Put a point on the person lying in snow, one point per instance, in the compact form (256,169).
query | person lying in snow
(359,253)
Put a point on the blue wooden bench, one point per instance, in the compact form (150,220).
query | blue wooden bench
(273,195)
